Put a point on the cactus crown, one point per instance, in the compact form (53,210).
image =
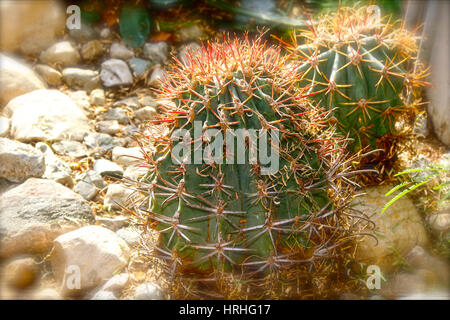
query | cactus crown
(362,66)
(224,215)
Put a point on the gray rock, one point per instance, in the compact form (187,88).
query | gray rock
(83,34)
(86,190)
(107,168)
(19,161)
(16,78)
(97,97)
(117,195)
(93,177)
(188,49)
(4,127)
(104,295)
(119,51)
(440,221)
(81,78)
(113,224)
(96,251)
(127,156)
(145,113)
(118,114)
(92,50)
(148,101)
(101,142)
(130,235)
(61,53)
(148,291)
(46,115)
(190,33)
(115,72)
(132,102)
(55,169)
(157,53)
(52,76)
(69,148)
(28,224)
(157,76)
(105,33)
(139,66)
(108,126)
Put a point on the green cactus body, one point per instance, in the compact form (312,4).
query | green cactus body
(228,215)
(361,68)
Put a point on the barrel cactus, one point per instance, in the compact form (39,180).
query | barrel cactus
(364,67)
(245,178)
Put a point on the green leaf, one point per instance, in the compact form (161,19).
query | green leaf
(396,188)
(401,194)
(134,25)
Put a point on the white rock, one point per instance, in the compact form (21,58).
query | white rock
(115,72)
(96,252)
(145,113)
(97,97)
(157,53)
(106,167)
(104,295)
(61,53)
(440,221)
(19,161)
(117,195)
(116,283)
(148,291)
(46,294)
(94,178)
(113,223)
(131,235)
(46,115)
(55,169)
(81,78)
(51,76)
(30,25)
(69,148)
(127,156)
(16,78)
(119,51)
(398,229)
(4,127)
(157,76)
(108,126)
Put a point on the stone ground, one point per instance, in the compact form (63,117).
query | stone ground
(69,108)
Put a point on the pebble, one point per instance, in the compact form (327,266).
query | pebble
(86,190)
(157,53)
(52,76)
(117,195)
(97,97)
(108,126)
(115,72)
(113,224)
(119,51)
(92,50)
(157,76)
(145,113)
(130,235)
(148,291)
(20,272)
(107,168)
(139,66)
(94,178)
(61,53)
(104,295)
(70,148)
(81,78)
(127,156)
(55,169)
(118,114)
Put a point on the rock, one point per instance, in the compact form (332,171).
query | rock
(96,252)
(86,190)
(188,49)
(46,294)
(117,195)
(81,99)
(108,126)
(100,142)
(107,168)
(61,53)
(83,34)
(81,78)
(116,283)
(398,229)
(30,26)
(440,221)
(145,113)
(119,51)
(46,115)
(4,127)
(16,78)
(92,50)
(55,169)
(130,235)
(157,76)
(157,53)
(19,161)
(115,72)
(105,33)
(148,291)
(93,177)
(97,97)
(148,101)
(104,295)
(73,149)
(193,32)
(20,272)
(421,259)
(51,76)
(118,114)
(113,224)
(127,156)
(28,224)
(134,173)
(139,66)
(132,102)
(431,295)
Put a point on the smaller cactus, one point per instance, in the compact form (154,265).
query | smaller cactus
(363,67)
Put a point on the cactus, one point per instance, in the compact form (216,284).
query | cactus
(216,217)
(363,67)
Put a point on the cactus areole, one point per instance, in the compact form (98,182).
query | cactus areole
(362,66)
(230,211)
